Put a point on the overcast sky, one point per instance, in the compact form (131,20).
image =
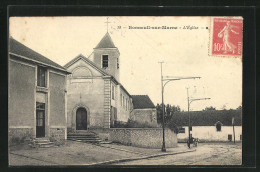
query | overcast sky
(184,51)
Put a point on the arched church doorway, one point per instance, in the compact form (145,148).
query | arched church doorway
(81,119)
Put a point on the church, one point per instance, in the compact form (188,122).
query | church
(48,100)
(95,96)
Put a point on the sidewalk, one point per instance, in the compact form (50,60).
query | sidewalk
(78,153)
(144,153)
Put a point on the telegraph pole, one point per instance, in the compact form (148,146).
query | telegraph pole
(188,98)
(163,143)
(189,102)
(233,123)
(163,84)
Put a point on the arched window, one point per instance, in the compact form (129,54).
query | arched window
(218,127)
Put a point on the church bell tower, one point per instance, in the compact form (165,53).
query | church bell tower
(106,56)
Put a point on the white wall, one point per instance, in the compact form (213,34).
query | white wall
(210,133)
(123,113)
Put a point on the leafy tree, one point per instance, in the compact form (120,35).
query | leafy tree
(209,108)
(169,111)
(239,107)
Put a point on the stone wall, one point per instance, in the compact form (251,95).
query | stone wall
(143,137)
(145,116)
(19,134)
(58,133)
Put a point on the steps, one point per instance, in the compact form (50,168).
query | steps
(84,136)
(41,143)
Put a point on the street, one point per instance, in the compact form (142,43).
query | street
(77,153)
(206,154)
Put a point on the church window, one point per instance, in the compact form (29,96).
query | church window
(126,104)
(117,63)
(41,76)
(113,92)
(121,99)
(104,61)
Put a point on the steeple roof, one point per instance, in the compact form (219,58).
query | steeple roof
(106,42)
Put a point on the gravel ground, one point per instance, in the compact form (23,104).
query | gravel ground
(206,154)
(78,153)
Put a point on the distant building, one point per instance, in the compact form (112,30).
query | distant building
(211,125)
(144,110)
(96,98)
(37,94)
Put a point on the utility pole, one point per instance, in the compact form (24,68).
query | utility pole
(233,123)
(188,98)
(163,84)
(189,102)
(163,143)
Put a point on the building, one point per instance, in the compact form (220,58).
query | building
(37,94)
(144,110)
(96,98)
(211,125)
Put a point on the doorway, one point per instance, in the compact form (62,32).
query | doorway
(81,119)
(40,119)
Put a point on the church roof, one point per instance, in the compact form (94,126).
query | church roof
(19,50)
(142,102)
(208,118)
(106,42)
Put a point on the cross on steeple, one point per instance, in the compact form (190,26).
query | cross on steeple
(107,23)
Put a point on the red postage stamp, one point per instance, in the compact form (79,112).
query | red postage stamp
(227,36)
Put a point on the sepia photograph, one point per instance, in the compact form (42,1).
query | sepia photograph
(125,90)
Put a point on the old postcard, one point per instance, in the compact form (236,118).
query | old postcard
(113,90)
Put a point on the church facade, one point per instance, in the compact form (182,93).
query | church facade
(96,98)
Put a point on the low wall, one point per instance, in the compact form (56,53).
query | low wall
(143,137)
(15,135)
(58,133)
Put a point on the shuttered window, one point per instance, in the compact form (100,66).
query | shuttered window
(104,61)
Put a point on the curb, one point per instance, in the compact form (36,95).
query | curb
(128,151)
(34,159)
(139,158)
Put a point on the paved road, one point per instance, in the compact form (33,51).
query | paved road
(206,154)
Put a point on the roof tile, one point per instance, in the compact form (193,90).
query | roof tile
(208,118)
(20,49)
(142,102)
(106,42)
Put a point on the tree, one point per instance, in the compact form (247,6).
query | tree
(169,111)
(239,107)
(209,108)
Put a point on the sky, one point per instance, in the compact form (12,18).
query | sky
(185,52)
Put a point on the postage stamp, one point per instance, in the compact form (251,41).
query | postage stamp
(226,38)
